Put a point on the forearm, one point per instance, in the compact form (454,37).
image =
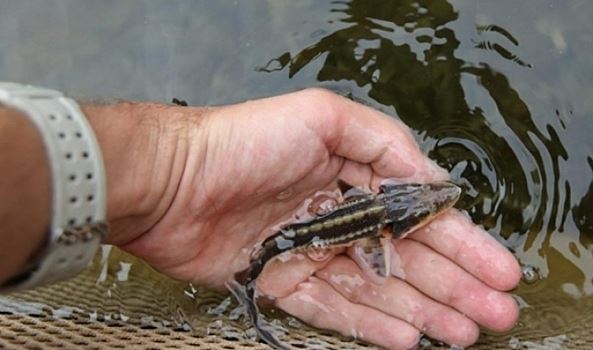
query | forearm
(25,193)
(143,160)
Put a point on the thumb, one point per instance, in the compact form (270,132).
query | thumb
(364,135)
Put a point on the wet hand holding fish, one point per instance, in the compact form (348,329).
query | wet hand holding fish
(210,180)
(366,220)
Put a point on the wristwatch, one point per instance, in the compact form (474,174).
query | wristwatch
(79,186)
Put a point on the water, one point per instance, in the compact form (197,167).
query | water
(498,92)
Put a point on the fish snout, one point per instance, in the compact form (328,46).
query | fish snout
(443,195)
(412,206)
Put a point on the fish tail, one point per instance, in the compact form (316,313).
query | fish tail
(246,296)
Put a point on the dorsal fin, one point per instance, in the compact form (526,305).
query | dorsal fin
(390,184)
(344,186)
(350,192)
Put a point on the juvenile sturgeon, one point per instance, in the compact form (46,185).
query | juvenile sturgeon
(366,220)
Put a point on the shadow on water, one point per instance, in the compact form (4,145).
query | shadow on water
(405,55)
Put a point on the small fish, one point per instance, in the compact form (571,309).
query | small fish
(366,220)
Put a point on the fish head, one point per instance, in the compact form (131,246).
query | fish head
(411,206)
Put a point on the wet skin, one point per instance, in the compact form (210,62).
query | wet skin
(360,220)
(225,185)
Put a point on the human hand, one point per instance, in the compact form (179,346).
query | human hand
(225,175)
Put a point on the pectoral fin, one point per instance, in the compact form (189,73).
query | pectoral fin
(373,256)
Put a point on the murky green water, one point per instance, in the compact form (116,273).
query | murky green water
(498,92)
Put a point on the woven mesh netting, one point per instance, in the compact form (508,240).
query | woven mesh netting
(120,303)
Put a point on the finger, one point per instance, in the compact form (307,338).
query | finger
(398,299)
(318,304)
(365,135)
(446,282)
(453,235)
(357,173)
(281,276)
(363,176)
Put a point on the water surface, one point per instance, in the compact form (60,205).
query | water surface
(498,92)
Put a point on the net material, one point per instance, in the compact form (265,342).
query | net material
(120,303)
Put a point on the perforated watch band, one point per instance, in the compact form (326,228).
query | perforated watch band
(79,185)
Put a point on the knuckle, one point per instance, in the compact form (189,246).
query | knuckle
(317,94)
(322,101)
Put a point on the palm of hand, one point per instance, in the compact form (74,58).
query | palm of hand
(253,164)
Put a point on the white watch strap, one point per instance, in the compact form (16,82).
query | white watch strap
(78,178)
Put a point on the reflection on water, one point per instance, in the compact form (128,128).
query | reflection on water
(405,55)
(471,118)
(498,92)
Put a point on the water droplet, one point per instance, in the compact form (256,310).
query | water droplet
(529,274)
(287,193)
(318,254)
(322,204)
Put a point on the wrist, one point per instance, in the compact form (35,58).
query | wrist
(25,184)
(144,148)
